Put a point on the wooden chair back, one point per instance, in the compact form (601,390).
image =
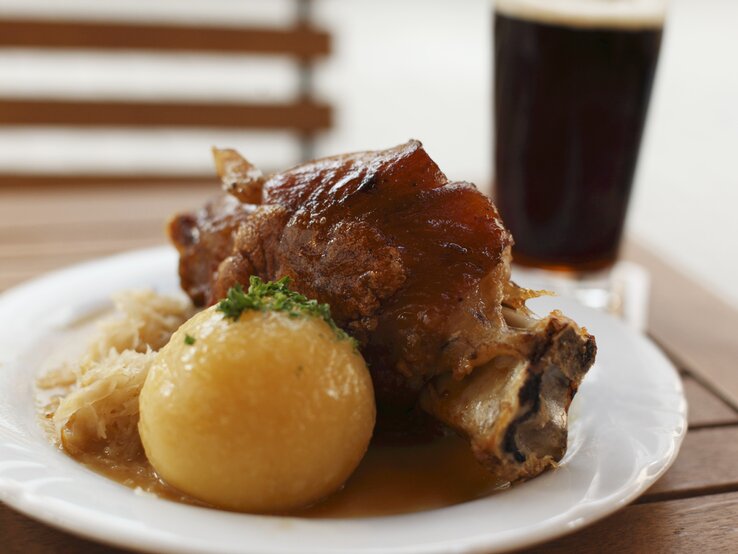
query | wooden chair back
(303,115)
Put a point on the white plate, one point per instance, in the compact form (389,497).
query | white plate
(627,423)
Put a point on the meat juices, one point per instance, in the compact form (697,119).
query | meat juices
(416,268)
(571,96)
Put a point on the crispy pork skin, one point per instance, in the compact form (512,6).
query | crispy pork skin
(417,269)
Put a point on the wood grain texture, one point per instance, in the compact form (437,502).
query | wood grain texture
(299,41)
(40,240)
(694,325)
(21,535)
(706,409)
(304,116)
(43,229)
(26,208)
(706,525)
(44,255)
(707,464)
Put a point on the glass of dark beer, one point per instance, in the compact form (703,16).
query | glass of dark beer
(572,85)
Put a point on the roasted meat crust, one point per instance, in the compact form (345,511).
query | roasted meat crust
(415,267)
(204,240)
(383,237)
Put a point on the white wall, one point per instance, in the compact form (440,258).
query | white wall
(412,69)
(686,193)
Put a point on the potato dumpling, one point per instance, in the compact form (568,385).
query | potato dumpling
(266,413)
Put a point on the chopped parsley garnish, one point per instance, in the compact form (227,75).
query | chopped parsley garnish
(276,296)
(189,339)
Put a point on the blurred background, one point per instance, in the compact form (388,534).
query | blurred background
(152,84)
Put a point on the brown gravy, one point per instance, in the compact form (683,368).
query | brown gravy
(399,479)
(391,479)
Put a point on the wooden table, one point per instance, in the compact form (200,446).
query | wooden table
(693,508)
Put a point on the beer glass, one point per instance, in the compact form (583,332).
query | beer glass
(572,85)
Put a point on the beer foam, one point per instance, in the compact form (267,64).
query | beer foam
(614,14)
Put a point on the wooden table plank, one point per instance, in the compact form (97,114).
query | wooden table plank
(26,207)
(60,249)
(44,236)
(46,229)
(704,524)
(51,260)
(692,324)
(706,409)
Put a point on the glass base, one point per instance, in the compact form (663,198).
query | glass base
(622,290)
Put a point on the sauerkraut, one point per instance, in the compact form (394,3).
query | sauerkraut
(100,409)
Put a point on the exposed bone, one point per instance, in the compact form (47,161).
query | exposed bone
(239,176)
(513,409)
